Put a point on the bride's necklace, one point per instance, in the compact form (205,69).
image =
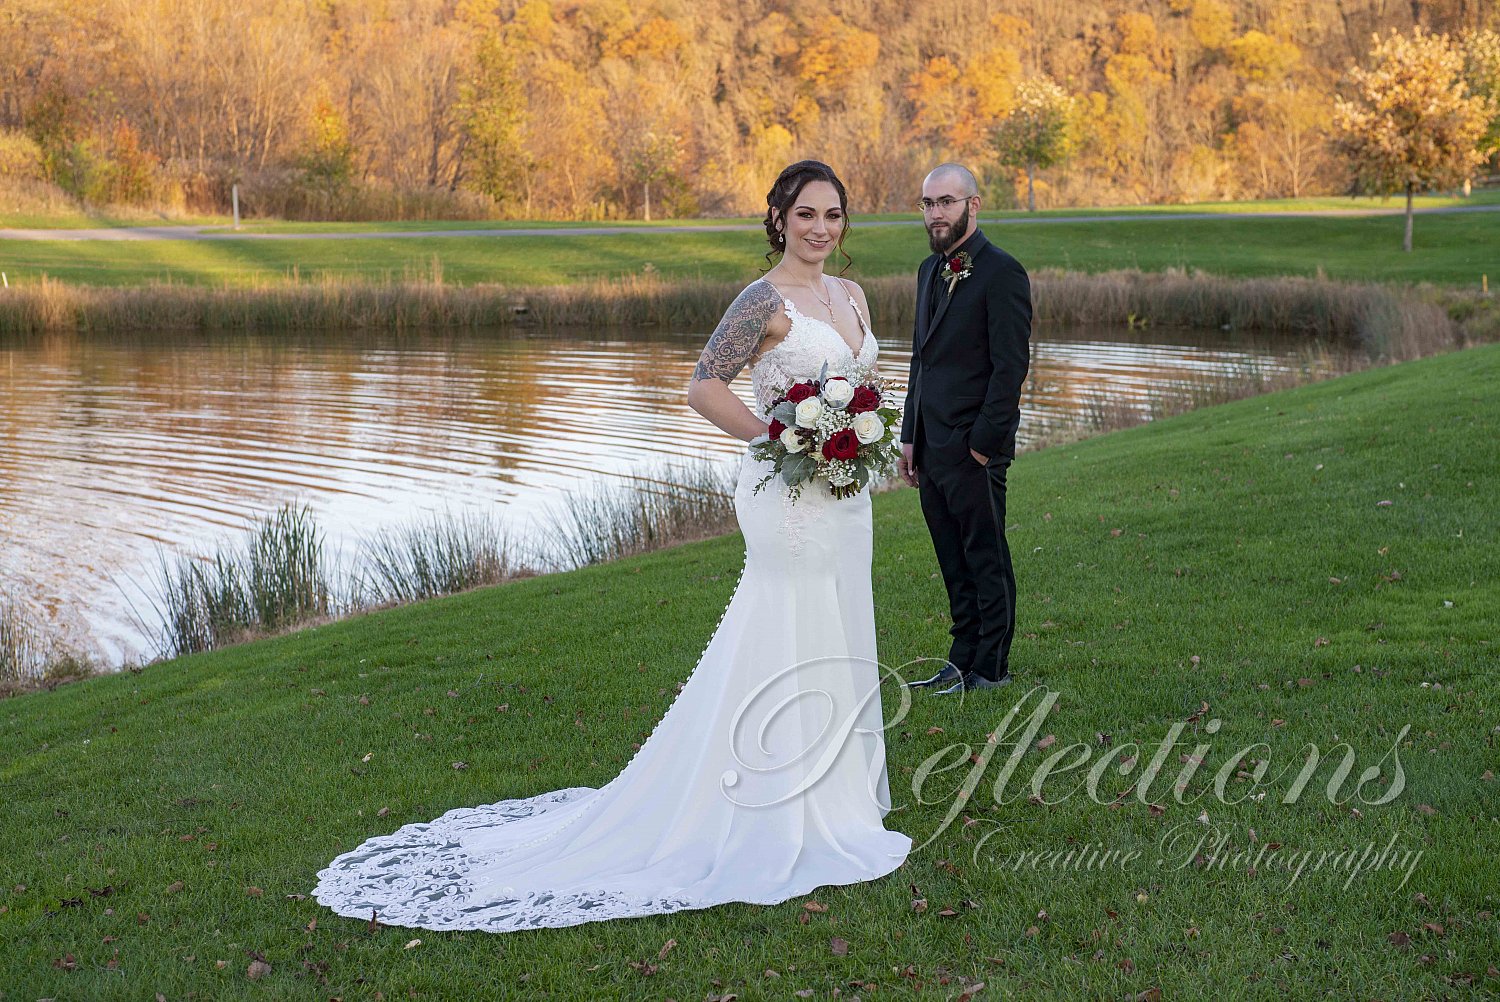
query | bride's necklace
(827,303)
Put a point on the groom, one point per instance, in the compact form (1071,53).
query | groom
(971,348)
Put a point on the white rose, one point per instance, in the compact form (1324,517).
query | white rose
(793,441)
(837,391)
(808,412)
(868,427)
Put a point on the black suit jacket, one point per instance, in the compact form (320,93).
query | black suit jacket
(969,363)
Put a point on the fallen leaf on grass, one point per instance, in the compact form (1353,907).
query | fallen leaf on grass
(257,970)
(411,944)
(1399,938)
(840,947)
(815,906)
(1046,742)
(666,948)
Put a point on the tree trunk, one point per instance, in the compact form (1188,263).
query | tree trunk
(1030,187)
(1406,242)
(647,189)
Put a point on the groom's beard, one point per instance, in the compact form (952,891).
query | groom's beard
(951,235)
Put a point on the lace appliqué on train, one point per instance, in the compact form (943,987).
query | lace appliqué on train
(418,876)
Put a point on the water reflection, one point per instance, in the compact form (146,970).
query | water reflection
(111,448)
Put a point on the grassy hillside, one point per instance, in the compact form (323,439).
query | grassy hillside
(1238,563)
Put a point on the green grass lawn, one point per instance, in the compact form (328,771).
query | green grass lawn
(81,219)
(1452,249)
(1237,564)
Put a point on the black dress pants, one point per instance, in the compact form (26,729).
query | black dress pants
(964,505)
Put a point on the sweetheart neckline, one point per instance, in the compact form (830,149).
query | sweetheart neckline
(854,353)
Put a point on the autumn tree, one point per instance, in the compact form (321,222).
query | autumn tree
(1482,73)
(1412,122)
(1040,131)
(491,109)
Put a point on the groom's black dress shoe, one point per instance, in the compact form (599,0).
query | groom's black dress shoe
(949,674)
(972,681)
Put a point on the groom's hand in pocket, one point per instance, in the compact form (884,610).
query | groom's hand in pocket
(981,460)
(906,465)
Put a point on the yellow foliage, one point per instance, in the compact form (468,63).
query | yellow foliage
(1257,56)
(658,38)
(1211,22)
(835,51)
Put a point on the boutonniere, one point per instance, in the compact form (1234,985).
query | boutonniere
(959,266)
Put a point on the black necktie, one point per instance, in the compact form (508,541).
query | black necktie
(935,291)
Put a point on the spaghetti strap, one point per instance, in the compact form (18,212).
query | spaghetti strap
(864,324)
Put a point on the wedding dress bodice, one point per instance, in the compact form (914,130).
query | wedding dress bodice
(801,354)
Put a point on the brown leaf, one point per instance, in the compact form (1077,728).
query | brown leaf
(1032,932)
(257,970)
(1127,965)
(173,887)
(947,912)
(644,968)
(1427,809)
(968,993)
(1399,938)
(840,947)
(254,892)
(919,905)
(1046,742)
(1433,927)
(815,906)
(1152,994)
(666,948)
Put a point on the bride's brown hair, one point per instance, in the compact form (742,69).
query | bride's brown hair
(783,195)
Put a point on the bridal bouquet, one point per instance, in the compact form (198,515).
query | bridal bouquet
(840,429)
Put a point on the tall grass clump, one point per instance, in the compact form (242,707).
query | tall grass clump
(21,645)
(440,556)
(277,579)
(664,506)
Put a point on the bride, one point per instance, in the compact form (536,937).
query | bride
(766,777)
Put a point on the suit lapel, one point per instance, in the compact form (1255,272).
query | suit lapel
(924,287)
(974,245)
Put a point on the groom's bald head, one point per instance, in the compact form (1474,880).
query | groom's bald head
(956,176)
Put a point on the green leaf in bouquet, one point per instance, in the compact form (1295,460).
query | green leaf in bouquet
(785,412)
(823,373)
(797,467)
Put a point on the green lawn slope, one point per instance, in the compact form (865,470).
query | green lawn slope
(1316,566)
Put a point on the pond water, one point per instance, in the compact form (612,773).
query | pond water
(115,451)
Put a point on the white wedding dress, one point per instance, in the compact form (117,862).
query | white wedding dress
(766,777)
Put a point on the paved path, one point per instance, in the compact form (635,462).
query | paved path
(220,233)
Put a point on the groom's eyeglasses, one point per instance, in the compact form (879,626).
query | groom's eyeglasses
(945,203)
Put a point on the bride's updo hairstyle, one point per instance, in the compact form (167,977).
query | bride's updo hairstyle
(783,195)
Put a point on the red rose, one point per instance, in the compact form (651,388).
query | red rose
(864,399)
(955,264)
(801,392)
(843,445)
(776,428)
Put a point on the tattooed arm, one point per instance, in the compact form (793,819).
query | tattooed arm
(754,314)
